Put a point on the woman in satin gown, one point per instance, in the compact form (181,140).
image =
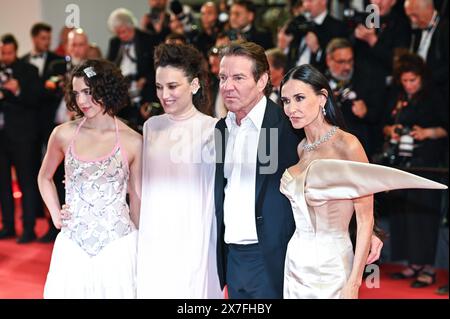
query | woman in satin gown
(95,253)
(176,250)
(331,181)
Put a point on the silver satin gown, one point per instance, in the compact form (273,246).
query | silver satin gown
(320,254)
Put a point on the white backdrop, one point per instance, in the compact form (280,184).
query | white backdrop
(17,17)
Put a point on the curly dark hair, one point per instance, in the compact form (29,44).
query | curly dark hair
(108,86)
(187,58)
(410,62)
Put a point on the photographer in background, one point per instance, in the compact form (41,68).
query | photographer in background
(132,51)
(242,24)
(157,21)
(374,46)
(311,37)
(359,99)
(418,113)
(20,88)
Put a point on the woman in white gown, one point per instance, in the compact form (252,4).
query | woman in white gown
(176,250)
(94,255)
(331,181)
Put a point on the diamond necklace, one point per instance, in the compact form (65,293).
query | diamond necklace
(323,139)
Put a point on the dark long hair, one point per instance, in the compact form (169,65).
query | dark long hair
(193,64)
(308,74)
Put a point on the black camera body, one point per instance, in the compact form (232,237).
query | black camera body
(353,18)
(398,152)
(6,74)
(300,25)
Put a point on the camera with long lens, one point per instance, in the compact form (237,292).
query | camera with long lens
(301,24)
(398,152)
(6,74)
(353,18)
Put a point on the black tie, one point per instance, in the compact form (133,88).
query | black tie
(416,38)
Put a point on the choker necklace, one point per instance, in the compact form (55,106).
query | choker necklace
(323,139)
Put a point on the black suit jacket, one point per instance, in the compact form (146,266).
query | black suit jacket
(273,213)
(48,61)
(329,29)
(49,99)
(20,111)
(438,58)
(144,44)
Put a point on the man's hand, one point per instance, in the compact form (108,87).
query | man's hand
(367,35)
(12,85)
(359,108)
(312,41)
(375,249)
(283,40)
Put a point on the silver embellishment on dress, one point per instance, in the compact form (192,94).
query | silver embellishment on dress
(323,139)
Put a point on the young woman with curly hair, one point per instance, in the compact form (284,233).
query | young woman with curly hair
(94,255)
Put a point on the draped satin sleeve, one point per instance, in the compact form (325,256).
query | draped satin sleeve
(331,179)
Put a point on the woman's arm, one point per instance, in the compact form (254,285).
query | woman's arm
(53,157)
(365,222)
(135,182)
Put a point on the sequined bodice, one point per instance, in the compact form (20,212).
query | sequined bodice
(96,194)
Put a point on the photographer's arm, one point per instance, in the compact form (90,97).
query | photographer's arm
(432,133)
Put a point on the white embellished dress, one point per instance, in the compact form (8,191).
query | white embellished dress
(177,228)
(94,255)
(319,256)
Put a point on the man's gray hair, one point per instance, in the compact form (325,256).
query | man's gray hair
(338,43)
(121,17)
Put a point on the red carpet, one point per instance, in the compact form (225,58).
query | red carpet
(23,270)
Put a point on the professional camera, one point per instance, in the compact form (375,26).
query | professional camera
(344,95)
(352,18)
(6,74)
(397,152)
(301,24)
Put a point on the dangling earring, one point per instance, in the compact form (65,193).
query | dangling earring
(324,112)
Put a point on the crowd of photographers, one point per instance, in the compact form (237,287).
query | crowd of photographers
(386,61)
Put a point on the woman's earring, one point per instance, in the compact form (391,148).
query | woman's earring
(324,112)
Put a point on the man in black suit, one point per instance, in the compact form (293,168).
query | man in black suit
(19,90)
(254,224)
(132,50)
(361,101)
(430,41)
(310,41)
(242,24)
(41,57)
(375,46)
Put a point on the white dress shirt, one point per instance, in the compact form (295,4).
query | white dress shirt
(39,62)
(127,65)
(240,172)
(427,35)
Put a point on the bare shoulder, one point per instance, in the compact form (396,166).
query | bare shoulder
(64,133)
(350,148)
(131,139)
